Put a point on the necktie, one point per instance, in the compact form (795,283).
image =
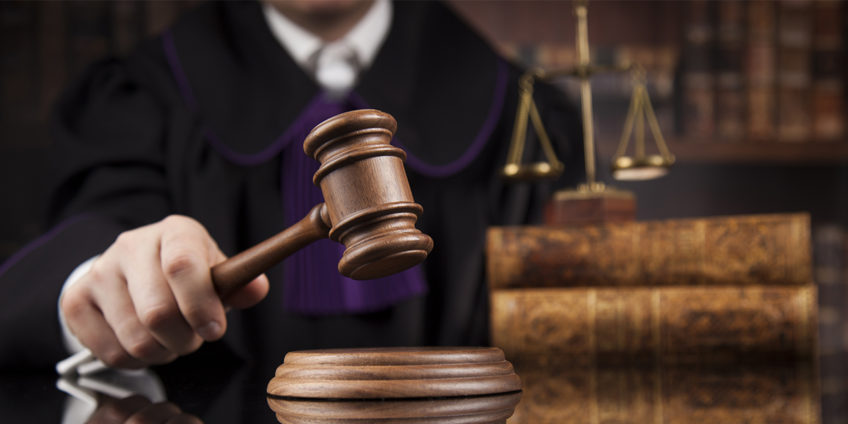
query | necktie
(336,68)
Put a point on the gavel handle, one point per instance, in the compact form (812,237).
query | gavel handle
(242,268)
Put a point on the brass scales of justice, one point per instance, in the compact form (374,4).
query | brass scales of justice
(592,201)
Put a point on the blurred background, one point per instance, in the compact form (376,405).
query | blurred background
(749,95)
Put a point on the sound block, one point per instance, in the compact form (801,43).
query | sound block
(465,410)
(394,373)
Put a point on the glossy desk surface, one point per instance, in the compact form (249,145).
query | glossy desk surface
(564,392)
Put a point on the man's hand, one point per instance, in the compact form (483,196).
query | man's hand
(149,297)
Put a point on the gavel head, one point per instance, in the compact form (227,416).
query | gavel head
(367,196)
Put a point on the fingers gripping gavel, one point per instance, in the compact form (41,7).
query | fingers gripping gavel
(368,206)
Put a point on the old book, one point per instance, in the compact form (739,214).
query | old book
(672,324)
(828,93)
(760,70)
(829,264)
(794,71)
(698,81)
(561,393)
(732,250)
(730,85)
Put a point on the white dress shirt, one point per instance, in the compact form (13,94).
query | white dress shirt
(335,65)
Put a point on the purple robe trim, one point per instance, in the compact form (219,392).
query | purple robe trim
(413,162)
(177,70)
(312,283)
(474,149)
(35,244)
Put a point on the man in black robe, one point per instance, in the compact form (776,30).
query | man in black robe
(207,120)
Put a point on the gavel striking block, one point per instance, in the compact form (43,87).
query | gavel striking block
(368,206)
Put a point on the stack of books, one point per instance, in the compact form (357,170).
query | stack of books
(681,320)
(680,290)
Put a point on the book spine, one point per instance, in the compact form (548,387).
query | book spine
(741,250)
(829,261)
(730,87)
(698,82)
(828,111)
(794,71)
(671,324)
(760,70)
(754,393)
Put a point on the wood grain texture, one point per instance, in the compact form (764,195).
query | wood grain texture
(590,210)
(240,269)
(561,393)
(734,250)
(466,410)
(675,324)
(405,373)
(368,206)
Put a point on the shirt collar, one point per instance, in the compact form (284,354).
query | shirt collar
(364,38)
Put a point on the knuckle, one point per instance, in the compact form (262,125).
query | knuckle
(158,317)
(173,219)
(127,238)
(114,357)
(177,221)
(180,264)
(145,348)
(94,275)
(198,314)
(73,305)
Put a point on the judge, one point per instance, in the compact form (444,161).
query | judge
(190,150)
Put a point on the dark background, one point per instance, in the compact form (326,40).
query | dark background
(47,44)
(44,45)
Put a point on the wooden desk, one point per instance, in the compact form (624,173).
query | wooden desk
(564,392)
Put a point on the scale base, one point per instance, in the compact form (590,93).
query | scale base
(589,205)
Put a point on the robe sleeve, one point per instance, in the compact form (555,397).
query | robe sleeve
(109,176)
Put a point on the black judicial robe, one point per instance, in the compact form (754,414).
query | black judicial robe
(190,123)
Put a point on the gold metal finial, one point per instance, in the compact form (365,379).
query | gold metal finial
(641,166)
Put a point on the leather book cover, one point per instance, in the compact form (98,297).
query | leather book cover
(733,250)
(643,324)
(759,393)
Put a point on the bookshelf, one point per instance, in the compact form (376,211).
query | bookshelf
(745,151)
(775,85)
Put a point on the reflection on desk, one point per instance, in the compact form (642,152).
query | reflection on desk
(730,393)
(552,393)
(467,410)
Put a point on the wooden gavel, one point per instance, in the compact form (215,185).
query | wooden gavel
(368,206)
